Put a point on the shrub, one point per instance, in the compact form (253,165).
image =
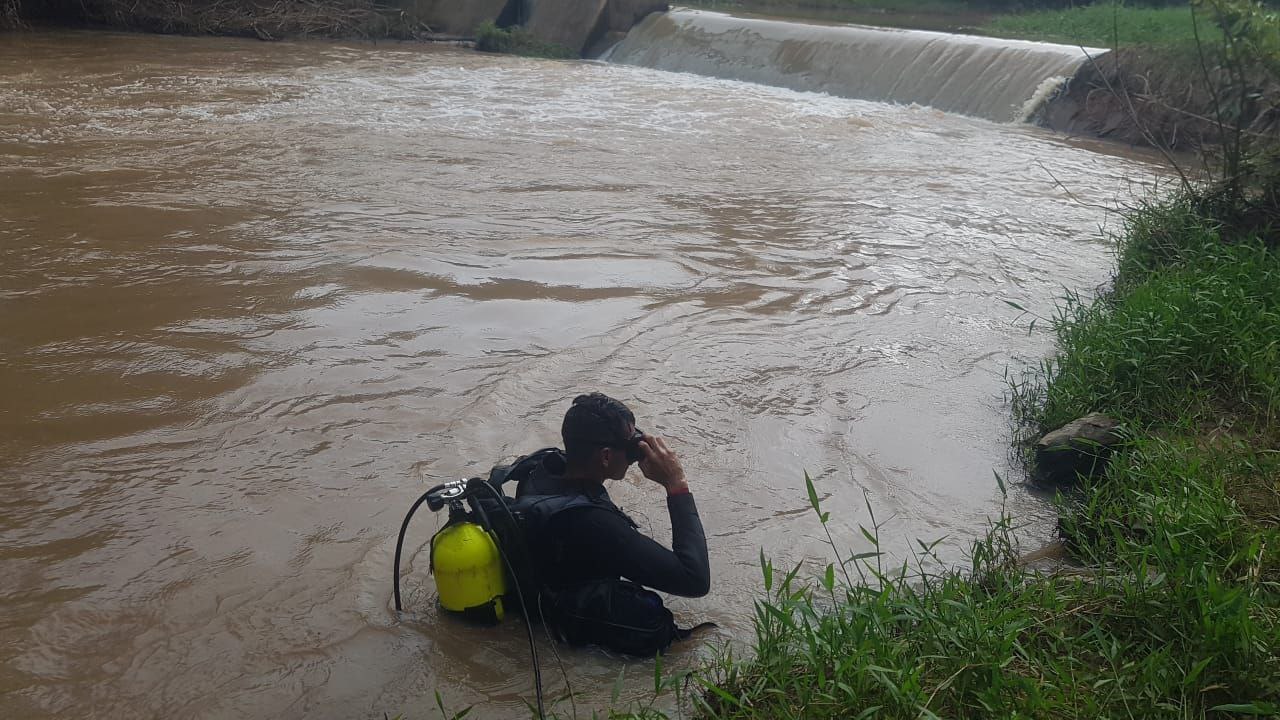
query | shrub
(517,41)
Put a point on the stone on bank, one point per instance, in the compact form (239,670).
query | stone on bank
(1080,448)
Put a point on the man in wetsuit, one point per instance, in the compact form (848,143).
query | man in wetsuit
(600,542)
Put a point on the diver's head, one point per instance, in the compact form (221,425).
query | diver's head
(600,437)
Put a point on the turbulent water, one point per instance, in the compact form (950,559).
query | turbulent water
(1001,80)
(254,298)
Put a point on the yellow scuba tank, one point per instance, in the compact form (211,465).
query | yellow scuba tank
(468,572)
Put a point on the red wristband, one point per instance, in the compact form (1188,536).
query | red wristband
(678,491)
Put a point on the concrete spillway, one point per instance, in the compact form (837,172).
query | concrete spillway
(1001,80)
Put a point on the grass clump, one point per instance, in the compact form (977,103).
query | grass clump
(517,41)
(1192,333)
(1177,618)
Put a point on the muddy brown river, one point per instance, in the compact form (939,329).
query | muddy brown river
(255,298)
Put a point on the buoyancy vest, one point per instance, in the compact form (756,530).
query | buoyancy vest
(520,523)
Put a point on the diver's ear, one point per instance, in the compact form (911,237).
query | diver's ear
(607,460)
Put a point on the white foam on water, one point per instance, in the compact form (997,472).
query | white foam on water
(1047,90)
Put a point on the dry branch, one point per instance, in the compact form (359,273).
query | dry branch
(10,15)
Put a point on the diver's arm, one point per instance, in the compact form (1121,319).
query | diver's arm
(689,545)
(682,570)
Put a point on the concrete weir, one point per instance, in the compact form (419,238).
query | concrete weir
(585,27)
(996,79)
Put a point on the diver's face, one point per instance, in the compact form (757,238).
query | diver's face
(615,458)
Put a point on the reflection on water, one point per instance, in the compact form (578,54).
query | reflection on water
(254,298)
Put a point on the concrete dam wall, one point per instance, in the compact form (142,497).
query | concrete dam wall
(996,79)
(583,26)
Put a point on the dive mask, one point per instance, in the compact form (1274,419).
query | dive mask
(633,446)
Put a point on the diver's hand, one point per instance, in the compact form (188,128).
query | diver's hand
(660,464)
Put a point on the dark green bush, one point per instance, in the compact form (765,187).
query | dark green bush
(517,41)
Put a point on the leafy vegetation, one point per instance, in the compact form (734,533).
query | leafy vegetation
(1177,622)
(1194,332)
(517,41)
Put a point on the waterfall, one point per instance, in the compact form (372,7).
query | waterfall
(996,79)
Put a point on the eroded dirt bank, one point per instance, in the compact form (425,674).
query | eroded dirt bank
(1161,98)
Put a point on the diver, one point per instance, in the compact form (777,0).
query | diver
(596,572)
(599,541)
(561,551)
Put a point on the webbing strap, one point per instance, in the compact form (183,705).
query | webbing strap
(685,633)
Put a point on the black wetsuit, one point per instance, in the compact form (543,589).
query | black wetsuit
(593,543)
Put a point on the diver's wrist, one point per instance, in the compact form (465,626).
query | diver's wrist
(679,487)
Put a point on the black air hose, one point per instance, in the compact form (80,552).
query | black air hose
(400,542)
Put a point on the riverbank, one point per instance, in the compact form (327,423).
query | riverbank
(1158,97)
(1170,604)
(1168,74)
(1172,608)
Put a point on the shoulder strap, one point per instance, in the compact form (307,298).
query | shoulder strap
(686,633)
(535,511)
(534,467)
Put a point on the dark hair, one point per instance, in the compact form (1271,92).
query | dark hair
(594,420)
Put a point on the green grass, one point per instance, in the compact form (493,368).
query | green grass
(1105,25)
(1172,622)
(1195,340)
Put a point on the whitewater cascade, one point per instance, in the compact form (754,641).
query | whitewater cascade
(996,79)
